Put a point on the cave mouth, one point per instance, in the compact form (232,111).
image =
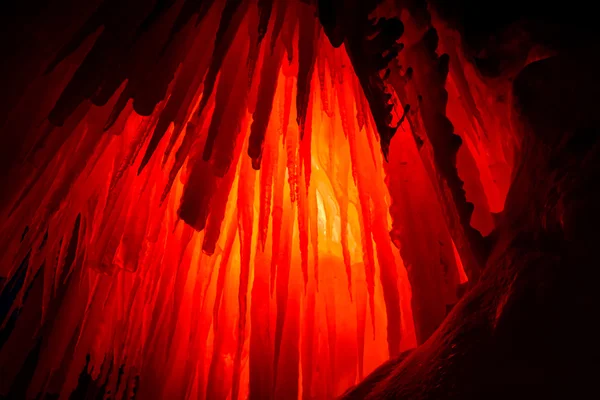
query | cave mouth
(295,199)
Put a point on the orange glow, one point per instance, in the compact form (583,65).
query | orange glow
(308,288)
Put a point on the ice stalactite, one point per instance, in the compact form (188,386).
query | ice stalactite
(262,113)
(232,16)
(205,206)
(246,224)
(307,53)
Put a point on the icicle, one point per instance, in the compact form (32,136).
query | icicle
(255,42)
(368,254)
(266,93)
(280,15)
(330,315)
(322,73)
(370,55)
(364,201)
(231,19)
(228,90)
(293,164)
(341,187)
(188,9)
(267,172)
(224,266)
(135,232)
(417,228)
(265,8)
(66,255)
(376,223)
(361,106)
(283,280)
(388,275)
(287,106)
(287,33)
(303,227)
(246,221)
(288,365)
(219,205)
(192,133)
(233,132)
(314,230)
(371,138)
(180,277)
(277,215)
(361,313)
(187,81)
(306,145)
(307,54)
(135,146)
(308,341)
(219,381)
(200,329)
(198,191)
(254,80)
(261,342)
